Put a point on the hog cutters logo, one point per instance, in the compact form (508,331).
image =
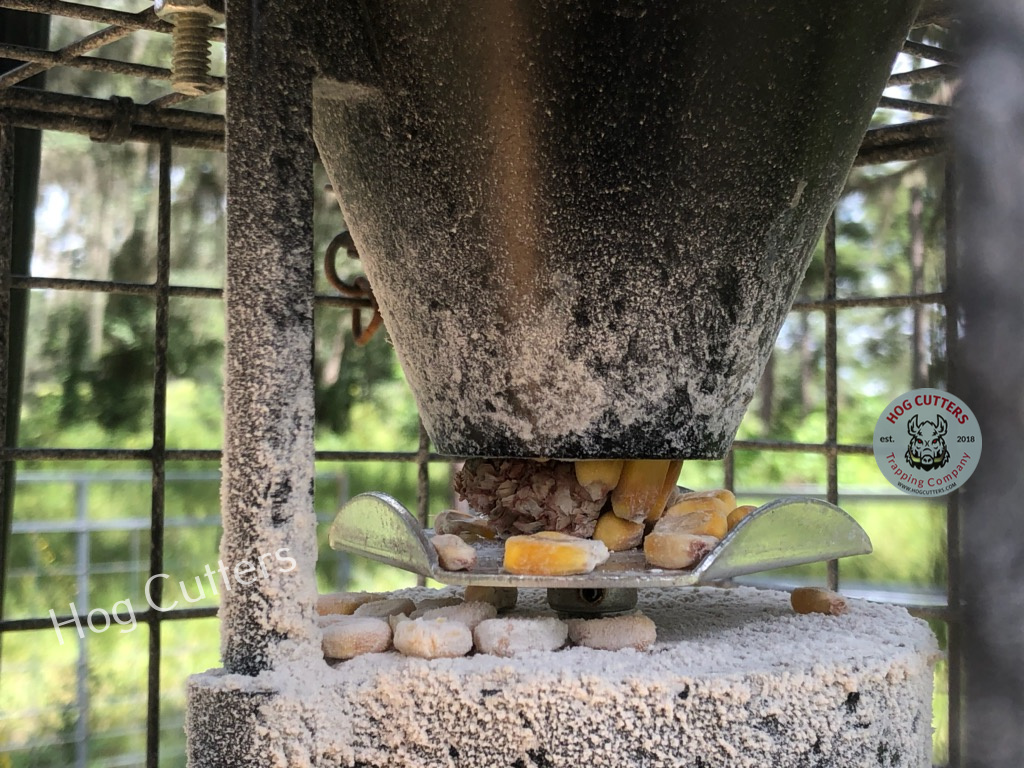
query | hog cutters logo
(927,450)
(927,442)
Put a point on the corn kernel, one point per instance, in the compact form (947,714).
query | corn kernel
(667,490)
(453,553)
(618,534)
(702,517)
(667,546)
(599,477)
(639,488)
(728,498)
(550,553)
(349,636)
(817,600)
(739,514)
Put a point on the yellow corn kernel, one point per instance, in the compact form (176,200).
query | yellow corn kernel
(550,553)
(817,600)
(669,545)
(703,517)
(667,489)
(599,476)
(739,514)
(639,488)
(728,498)
(618,534)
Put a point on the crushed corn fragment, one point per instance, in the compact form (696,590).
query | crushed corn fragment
(453,553)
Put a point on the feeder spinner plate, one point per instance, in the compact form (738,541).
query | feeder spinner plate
(782,533)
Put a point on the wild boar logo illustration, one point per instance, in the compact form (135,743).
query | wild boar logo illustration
(927,449)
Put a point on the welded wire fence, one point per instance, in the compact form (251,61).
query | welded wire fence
(162,122)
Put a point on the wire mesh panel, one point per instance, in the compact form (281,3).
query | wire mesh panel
(143,109)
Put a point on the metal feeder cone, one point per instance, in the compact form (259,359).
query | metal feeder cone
(585,222)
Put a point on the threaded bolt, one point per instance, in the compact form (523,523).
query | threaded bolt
(190,53)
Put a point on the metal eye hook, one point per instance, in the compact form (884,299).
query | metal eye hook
(358,289)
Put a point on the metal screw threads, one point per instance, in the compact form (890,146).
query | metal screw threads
(190,54)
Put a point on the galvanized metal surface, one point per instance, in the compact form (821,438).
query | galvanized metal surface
(584,224)
(779,534)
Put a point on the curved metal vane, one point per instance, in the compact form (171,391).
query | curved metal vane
(782,533)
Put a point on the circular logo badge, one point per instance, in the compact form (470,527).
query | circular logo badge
(927,442)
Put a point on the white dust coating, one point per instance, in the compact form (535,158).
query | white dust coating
(381,609)
(520,635)
(486,325)
(267,483)
(343,602)
(736,679)
(452,552)
(433,638)
(345,637)
(614,633)
(469,613)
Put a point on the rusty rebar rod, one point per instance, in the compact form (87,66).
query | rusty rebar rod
(873,302)
(915,107)
(922,75)
(101,130)
(90,63)
(88,43)
(891,135)
(105,109)
(930,52)
(146,19)
(910,150)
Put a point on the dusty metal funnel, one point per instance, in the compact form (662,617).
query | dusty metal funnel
(585,221)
